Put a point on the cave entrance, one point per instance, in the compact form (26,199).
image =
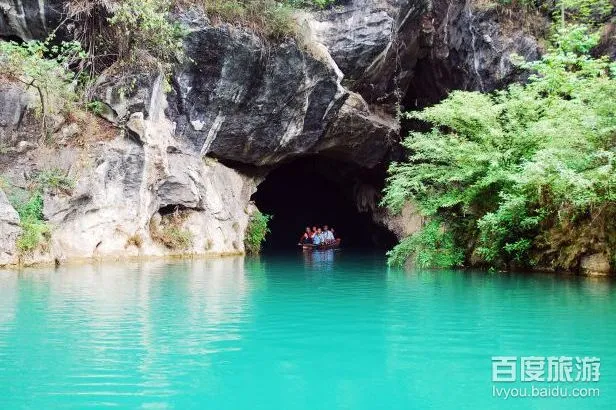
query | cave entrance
(317,190)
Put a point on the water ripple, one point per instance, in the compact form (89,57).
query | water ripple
(279,333)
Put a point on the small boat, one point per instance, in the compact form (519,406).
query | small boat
(322,247)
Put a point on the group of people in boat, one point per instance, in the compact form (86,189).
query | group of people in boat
(318,236)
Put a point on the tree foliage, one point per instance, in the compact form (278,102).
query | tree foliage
(432,247)
(44,67)
(526,175)
(145,25)
(589,12)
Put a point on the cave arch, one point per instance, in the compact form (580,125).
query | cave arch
(317,190)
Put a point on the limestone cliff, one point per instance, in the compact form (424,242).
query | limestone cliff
(241,100)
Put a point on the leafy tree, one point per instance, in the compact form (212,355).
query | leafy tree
(45,67)
(526,175)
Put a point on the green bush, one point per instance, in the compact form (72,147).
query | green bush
(28,203)
(175,237)
(55,179)
(256,231)
(44,66)
(273,18)
(35,231)
(145,25)
(319,4)
(526,175)
(589,12)
(432,247)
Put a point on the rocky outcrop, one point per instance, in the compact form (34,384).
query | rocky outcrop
(110,211)
(9,230)
(335,89)
(465,46)
(244,99)
(28,20)
(596,264)
(358,33)
(13,104)
(414,52)
(123,185)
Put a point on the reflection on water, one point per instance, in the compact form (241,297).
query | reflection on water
(312,330)
(319,259)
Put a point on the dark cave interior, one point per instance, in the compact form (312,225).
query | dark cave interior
(318,190)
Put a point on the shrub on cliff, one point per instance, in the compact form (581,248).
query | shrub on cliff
(526,176)
(35,231)
(589,12)
(170,230)
(256,231)
(145,25)
(273,18)
(44,67)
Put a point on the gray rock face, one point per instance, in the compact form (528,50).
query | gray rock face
(13,103)
(358,32)
(595,264)
(115,201)
(242,101)
(9,230)
(245,100)
(464,47)
(414,52)
(124,184)
(29,20)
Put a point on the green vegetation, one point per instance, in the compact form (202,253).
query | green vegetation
(29,205)
(35,231)
(170,231)
(273,18)
(145,25)
(588,12)
(55,179)
(256,231)
(432,247)
(44,67)
(526,175)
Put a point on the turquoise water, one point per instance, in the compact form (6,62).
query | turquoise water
(338,331)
